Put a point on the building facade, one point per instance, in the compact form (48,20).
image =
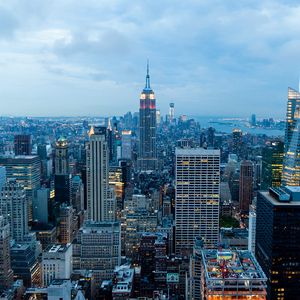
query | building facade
(246,185)
(197,197)
(100,198)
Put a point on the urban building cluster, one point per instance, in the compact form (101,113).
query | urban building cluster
(143,206)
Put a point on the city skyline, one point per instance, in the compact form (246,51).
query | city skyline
(81,59)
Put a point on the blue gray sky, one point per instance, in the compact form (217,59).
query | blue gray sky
(213,57)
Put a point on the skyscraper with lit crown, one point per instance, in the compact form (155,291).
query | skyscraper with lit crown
(291,162)
(147,159)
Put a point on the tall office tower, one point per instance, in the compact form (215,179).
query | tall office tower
(171,112)
(197,197)
(22,144)
(147,159)
(211,137)
(126,144)
(77,193)
(56,263)
(237,140)
(6,273)
(98,248)
(40,205)
(27,171)
(158,116)
(272,160)
(252,229)
(14,208)
(62,174)
(67,224)
(246,185)
(253,120)
(100,198)
(291,162)
(278,240)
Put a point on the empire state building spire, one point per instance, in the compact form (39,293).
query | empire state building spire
(147,86)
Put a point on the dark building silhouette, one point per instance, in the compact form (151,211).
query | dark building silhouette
(278,240)
(246,185)
(23,144)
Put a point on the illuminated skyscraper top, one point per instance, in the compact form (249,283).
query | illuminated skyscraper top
(147,159)
(291,165)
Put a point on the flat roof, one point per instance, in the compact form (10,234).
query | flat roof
(196,151)
(231,265)
(274,201)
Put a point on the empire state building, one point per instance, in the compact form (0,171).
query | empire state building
(147,159)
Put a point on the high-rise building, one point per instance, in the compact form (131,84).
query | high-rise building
(291,165)
(67,224)
(62,174)
(147,159)
(40,205)
(246,185)
(126,144)
(278,240)
(197,197)
(158,117)
(253,120)
(252,229)
(100,198)
(23,144)
(2,176)
(237,140)
(6,273)
(272,160)
(56,263)
(26,170)
(14,208)
(171,112)
(98,248)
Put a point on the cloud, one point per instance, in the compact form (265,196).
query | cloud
(210,57)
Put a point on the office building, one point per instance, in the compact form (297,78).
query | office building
(98,248)
(100,197)
(171,112)
(62,173)
(278,240)
(246,185)
(56,263)
(2,176)
(237,141)
(14,208)
(197,197)
(272,161)
(126,144)
(26,170)
(67,224)
(231,274)
(77,193)
(22,144)
(6,273)
(147,158)
(291,165)
(40,205)
(252,229)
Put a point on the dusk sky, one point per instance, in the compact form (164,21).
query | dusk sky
(88,57)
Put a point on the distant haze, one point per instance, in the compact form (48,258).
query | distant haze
(234,58)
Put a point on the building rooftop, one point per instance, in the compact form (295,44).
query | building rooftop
(275,200)
(123,276)
(58,248)
(223,266)
(196,151)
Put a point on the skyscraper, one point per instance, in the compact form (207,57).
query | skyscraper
(62,178)
(237,136)
(100,198)
(278,240)
(126,144)
(14,208)
(22,144)
(197,197)
(147,159)
(291,165)
(171,112)
(6,273)
(246,185)
(272,160)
